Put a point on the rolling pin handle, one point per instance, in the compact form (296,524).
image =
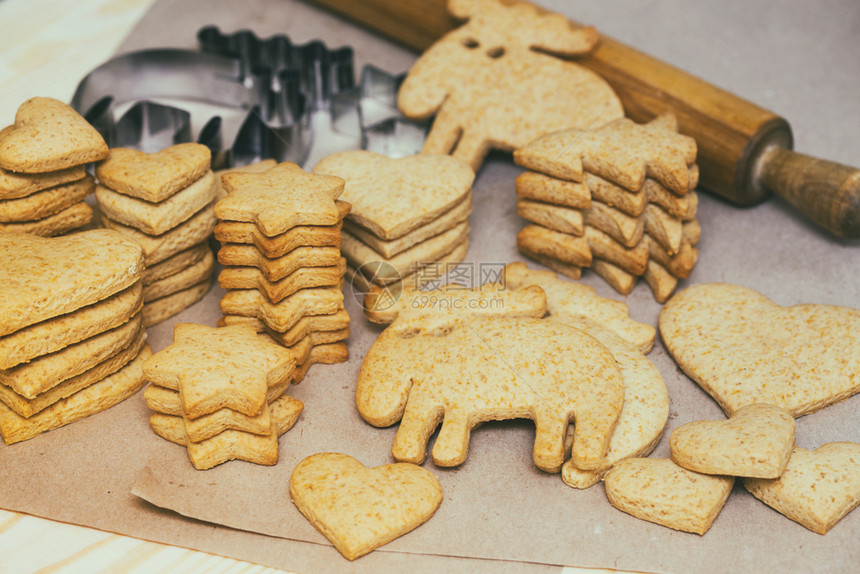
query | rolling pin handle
(826,191)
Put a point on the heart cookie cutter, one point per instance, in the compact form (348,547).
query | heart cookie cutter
(247,99)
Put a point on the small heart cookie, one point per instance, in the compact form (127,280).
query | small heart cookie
(755,442)
(818,488)
(154,176)
(48,135)
(358,508)
(660,491)
(743,348)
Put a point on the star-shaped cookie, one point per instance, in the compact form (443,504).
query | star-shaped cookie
(622,151)
(215,368)
(280,198)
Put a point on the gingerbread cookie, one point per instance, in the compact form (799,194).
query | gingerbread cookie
(482,81)
(360,509)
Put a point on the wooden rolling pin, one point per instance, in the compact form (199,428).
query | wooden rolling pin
(744,150)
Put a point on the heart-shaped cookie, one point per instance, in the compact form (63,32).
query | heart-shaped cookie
(358,508)
(391,197)
(756,442)
(48,135)
(818,488)
(41,278)
(154,176)
(742,348)
(660,491)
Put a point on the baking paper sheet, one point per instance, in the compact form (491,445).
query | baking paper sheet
(500,512)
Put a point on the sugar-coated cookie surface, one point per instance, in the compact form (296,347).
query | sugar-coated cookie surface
(755,442)
(484,81)
(743,348)
(360,509)
(464,368)
(392,197)
(818,488)
(41,278)
(49,135)
(660,491)
(154,176)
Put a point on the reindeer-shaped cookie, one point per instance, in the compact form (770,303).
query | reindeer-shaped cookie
(492,83)
(482,355)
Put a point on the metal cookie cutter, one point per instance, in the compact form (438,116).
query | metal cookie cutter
(246,99)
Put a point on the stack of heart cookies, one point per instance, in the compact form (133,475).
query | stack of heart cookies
(163,201)
(220,393)
(71,339)
(409,216)
(618,199)
(280,234)
(43,181)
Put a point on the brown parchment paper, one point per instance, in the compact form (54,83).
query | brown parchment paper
(501,513)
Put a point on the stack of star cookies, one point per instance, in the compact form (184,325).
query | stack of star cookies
(220,393)
(43,181)
(280,234)
(408,214)
(164,201)
(618,199)
(71,339)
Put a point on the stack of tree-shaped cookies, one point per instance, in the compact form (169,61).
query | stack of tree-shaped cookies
(164,202)
(618,199)
(71,339)
(43,181)
(220,393)
(409,216)
(280,231)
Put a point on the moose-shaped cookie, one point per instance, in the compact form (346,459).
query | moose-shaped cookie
(479,355)
(493,82)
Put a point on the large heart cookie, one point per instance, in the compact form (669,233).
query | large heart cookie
(41,278)
(358,508)
(48,135)
(818,488)
(757,442)
(392,197)
(660,491)
(742,348)
(154,176)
